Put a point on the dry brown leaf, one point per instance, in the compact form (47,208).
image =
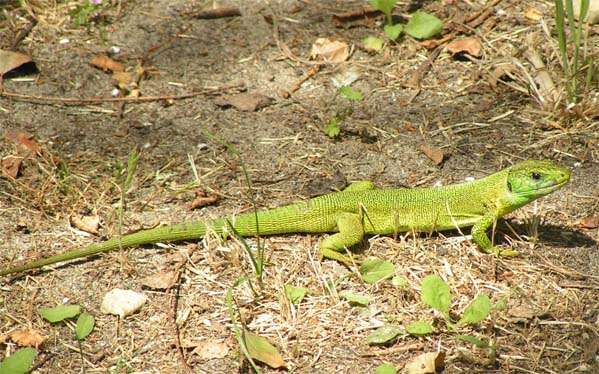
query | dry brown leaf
(590,222)
(533,13)
(10,166)
(332,51)
(435,154)
(27,338)
(25,141)
(106,63)
(426,363)
(208,350)
(202,199)
(247,102)
(10,60)
(472,46)
(161,280)
(123,79)
(85,223)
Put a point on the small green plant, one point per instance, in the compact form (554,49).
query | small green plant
(84,14)
(333,126)
(437,295)
(580,60)
(19,362)
(83,327)
(422,25)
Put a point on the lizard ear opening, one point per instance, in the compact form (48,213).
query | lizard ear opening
(509,186)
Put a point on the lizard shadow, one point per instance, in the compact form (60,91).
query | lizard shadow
(550,234)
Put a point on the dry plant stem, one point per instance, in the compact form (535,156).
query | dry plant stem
(98,100)
(547,90)
(22,34)
(222,12)
(174,307)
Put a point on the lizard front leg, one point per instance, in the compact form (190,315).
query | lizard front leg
(351,232)
(479,236)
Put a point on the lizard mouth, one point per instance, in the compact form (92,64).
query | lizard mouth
(548,189)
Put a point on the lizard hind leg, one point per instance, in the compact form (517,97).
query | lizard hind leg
(351,232)
(359,186)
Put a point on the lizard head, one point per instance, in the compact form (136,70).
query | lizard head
(529,180)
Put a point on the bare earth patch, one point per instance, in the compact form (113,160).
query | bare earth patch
(481,114)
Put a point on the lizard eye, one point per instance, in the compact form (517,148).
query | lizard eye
(536,176)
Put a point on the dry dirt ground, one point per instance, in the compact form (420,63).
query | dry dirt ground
(479,122)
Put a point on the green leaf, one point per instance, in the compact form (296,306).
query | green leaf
(423,26)
(260,349)
(355,299)
(383,335)
(60,312)
(351,94)
(501,304)
(401,282)
(420,328)
(478,310)
(385,368)
(374,270)
(393,31)
(474,341)
(19,362)
(385,6)
(333,128)
(294,294)
(436,294)
(85,325)
(372,43)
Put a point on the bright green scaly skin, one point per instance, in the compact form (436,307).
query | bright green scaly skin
(361,209)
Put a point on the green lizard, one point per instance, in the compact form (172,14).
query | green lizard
(361,209)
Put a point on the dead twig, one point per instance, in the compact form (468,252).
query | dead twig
(98,100)
(174,306)
(309,74)
(365,12)
(222,12)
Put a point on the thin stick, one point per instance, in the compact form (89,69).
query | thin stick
(99,100)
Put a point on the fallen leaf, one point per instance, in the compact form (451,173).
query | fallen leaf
(247,102)
(124,80)
(160,280)
(106,63)
(122,302)
(208,350)
(260,349)
(27,338)
(435,154)
(24,141)
(332,51)
(426,363)
(10,166)
(533,13)
(86,223)
(10,60)
(202,199)
(590,222)
(471,46)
